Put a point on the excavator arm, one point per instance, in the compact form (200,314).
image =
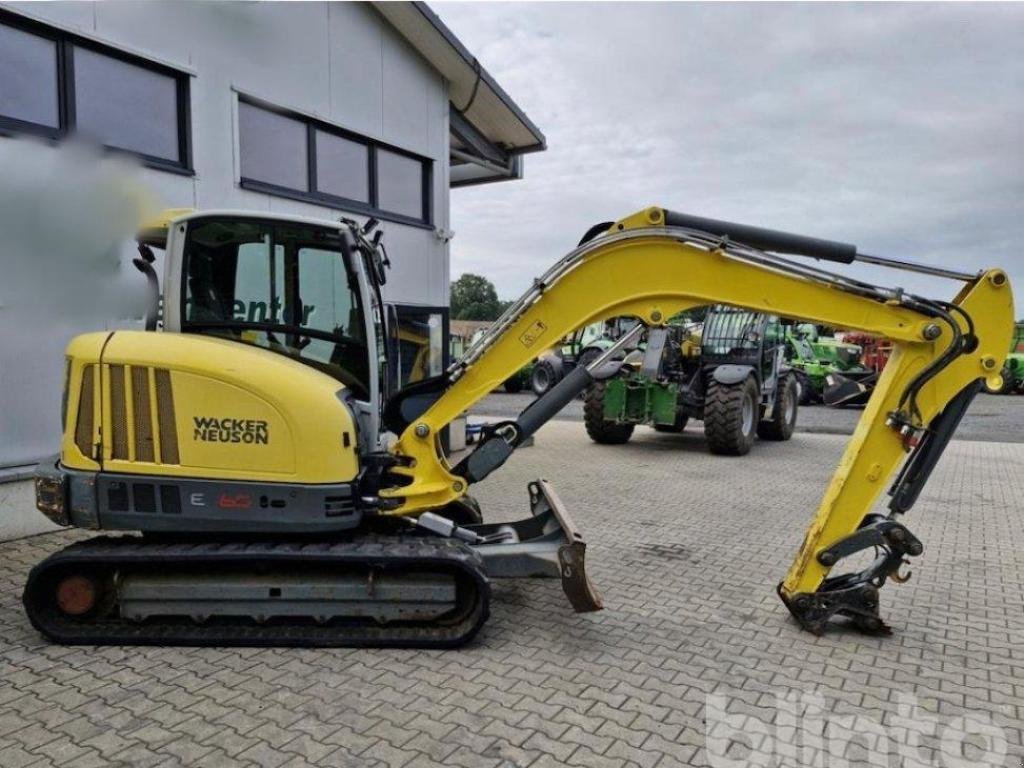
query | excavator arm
(656,263)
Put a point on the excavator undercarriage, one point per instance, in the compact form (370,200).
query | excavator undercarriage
(255,452)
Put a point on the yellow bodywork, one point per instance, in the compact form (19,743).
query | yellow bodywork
(653,276)
(197,406)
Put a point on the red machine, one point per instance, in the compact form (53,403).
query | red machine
(875,352)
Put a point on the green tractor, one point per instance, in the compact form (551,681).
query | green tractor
(827,370)
(1013,369)
(733,377)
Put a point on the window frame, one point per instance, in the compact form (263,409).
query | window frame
(66,42)
(401,309)
(314,195)
(199,327)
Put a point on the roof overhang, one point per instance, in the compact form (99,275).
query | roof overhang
(489,131)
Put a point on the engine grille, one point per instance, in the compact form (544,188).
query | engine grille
(118,414)
(137,433)
(84,420)
(165,414)
(143,415)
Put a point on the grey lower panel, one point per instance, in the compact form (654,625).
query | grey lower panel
(320,597)
(153,503)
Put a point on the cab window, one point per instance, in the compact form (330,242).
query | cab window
(285,287)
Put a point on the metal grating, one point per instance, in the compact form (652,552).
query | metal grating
(142,415)
(118,414)
(84,422)
(144,495)
(165,414)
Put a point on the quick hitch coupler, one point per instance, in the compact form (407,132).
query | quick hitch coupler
(855,595)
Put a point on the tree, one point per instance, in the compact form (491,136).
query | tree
(474,298)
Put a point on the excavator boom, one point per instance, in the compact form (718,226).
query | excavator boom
(657,263)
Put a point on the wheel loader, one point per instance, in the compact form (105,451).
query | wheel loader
(287,494)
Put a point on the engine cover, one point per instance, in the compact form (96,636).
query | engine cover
(203,408)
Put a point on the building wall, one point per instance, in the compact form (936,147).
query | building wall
(338,62)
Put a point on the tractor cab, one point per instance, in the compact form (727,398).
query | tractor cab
(734,336)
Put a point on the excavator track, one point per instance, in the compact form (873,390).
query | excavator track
(416,592)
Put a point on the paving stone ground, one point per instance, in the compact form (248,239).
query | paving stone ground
(693,662)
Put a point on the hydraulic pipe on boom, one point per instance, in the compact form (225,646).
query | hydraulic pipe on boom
(657,263)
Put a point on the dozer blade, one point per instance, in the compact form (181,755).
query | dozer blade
(546,545)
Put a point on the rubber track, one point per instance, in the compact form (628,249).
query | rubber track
(391,552)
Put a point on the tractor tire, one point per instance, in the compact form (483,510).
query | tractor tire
(514,384)
(780,425)
(730,416)
(586,357)
(543,377)
(600,430)
(805,392)
(679,426)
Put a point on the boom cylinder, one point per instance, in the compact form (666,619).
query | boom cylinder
(767,239)
(499,445)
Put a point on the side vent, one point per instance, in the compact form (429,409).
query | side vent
(131,415)
(170,500)
(84,421)
(145,497)
(336,506)
(143,415)
(118,414)
(165,414)
(117,497)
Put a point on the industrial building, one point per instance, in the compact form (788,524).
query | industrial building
(318,109)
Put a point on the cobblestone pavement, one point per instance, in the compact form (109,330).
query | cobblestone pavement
(693,662)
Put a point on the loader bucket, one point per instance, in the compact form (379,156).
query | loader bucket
(844,390)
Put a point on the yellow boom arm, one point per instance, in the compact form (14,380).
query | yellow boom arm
(642,267)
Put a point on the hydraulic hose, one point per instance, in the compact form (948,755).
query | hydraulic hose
(954,350)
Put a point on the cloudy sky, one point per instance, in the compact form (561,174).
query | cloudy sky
(896,127)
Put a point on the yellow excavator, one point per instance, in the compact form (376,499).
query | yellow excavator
(287,492)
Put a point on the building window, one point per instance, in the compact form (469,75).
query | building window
(126,106)
(399,183)
(291,155)
(56,83)
(343,167)
(28,89)
(272,147)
